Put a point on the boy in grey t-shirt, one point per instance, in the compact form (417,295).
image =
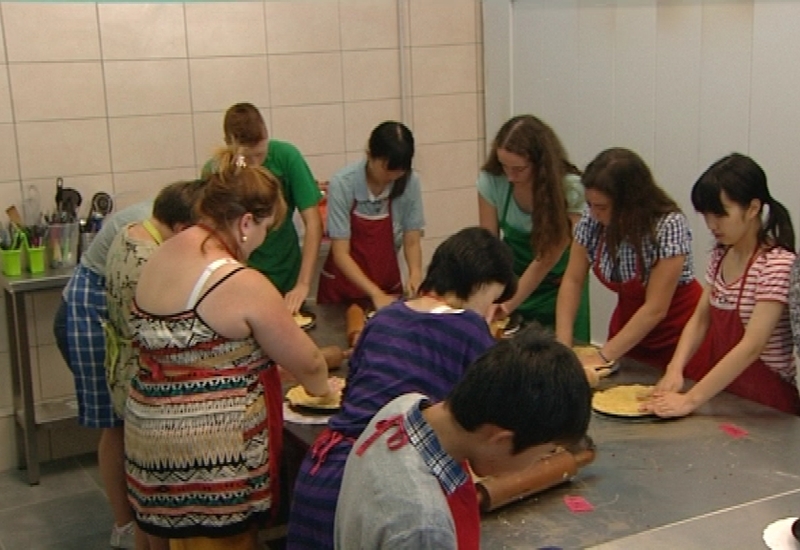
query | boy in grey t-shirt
(405,483)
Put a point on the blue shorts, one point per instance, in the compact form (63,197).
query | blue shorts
(85,296)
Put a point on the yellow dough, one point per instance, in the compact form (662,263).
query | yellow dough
(301,320)
(298,397)
(500,324)
(622,400)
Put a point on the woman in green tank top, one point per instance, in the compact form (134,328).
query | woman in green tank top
(531,195)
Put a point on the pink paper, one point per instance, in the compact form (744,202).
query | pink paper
(578,504)
(733,430)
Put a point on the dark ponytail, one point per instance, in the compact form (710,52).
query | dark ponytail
(778,228)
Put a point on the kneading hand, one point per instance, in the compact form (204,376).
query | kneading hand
(669,404)
(670,382)
(295,298)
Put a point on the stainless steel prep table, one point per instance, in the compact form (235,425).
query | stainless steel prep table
(29,415)
(681,483)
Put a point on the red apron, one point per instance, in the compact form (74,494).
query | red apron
(463,502)
(757,382)
(372,248)
(273,394)
(658,346)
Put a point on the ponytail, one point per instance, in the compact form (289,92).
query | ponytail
(778,229)
(229,161)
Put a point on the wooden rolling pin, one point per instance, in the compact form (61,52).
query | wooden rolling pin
(334,356)
(355,323)
(497,491)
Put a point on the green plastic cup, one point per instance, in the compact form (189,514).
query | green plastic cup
(36,259)
(12,262)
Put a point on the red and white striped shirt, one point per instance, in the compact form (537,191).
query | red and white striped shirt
(766,280)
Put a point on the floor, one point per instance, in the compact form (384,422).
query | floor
(66,511)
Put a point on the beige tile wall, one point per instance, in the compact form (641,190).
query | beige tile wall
(124,98)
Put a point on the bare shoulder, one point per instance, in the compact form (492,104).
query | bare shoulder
(246,287)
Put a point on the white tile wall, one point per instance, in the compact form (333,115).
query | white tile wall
(302,26)
(134,187)
(360,117)
(5,96)
(324,166)
(461,206)
(320,128)
(9,169)
(368,24)
(371,74)
(148,142)
(61,147)
(444,69)
(450,117)
(445,166)
(67,32)
(147,87)
(427,18)
(142,31)
(305,78)
(247,78)
(238,29)
(46,91)
(126,97)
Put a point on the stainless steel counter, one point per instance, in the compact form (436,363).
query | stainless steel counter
(681,483)
(29,415)
(655,484)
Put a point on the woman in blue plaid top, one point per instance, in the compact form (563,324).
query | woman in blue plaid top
(639,245)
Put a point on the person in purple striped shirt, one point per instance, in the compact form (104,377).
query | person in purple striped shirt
(420,345)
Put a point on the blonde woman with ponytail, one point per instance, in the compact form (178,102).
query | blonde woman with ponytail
(204,413)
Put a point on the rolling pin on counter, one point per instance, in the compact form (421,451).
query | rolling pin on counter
(552,470)
(356,319)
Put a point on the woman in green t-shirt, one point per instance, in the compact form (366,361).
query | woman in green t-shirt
(531,194)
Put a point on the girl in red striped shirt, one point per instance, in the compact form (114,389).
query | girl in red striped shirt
(743,309)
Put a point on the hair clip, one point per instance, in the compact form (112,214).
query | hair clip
(239,161)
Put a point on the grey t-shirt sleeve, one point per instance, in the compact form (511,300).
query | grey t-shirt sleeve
(430,538)
(94,257)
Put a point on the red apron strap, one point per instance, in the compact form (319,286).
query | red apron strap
(395,441)
(325,441)
(463,503)
(271,382)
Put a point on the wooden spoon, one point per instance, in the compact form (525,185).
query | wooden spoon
(14,216)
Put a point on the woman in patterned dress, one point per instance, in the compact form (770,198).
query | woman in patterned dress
(204,413)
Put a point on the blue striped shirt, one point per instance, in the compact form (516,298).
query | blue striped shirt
(403,351)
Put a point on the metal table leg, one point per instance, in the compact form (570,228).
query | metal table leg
(27,442)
